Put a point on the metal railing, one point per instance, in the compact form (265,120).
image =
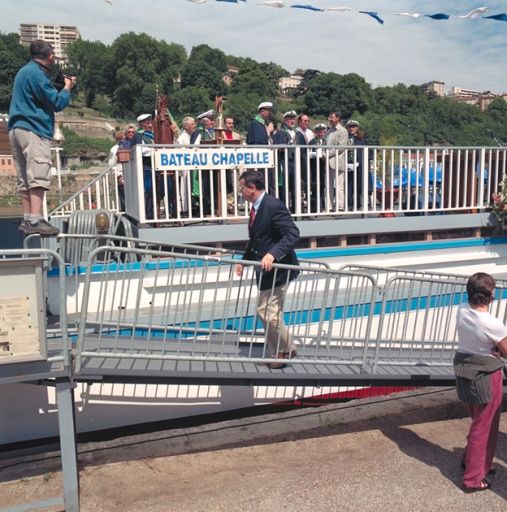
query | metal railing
(182,307)
(313,181)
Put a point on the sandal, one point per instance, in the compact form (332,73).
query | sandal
(484,486)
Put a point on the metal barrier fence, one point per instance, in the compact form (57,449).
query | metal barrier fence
(178,307)
(313,181)
(75,249)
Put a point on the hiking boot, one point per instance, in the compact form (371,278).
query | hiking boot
(42,228)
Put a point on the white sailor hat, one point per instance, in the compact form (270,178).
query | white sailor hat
(290,113)
(320,126)
(143,117)
(208,113)
(352,122)
(265,104)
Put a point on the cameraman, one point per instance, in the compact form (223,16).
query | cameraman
(31,125)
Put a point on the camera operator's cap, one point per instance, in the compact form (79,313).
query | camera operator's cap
(290,113)
(320,126)
(143,117)
(208,113)
(265,104)
(352,122)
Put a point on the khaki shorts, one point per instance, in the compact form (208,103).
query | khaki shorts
(32,158)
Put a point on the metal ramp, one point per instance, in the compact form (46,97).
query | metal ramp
(150,313)
(175,317)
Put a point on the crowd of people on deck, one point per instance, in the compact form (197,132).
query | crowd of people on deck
(294,130)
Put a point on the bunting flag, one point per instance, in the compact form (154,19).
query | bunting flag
(374,15)
(474,13)
(341,9)
(273,3)
(377,16)
(410,14)
(499,17)
(307,6)
(438,16)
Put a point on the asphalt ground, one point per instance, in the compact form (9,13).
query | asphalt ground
(396,453)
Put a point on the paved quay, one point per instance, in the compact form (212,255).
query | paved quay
(393,454)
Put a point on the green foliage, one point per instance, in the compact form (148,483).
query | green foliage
(205,54)
(140,63)
(90,63)
(203,75)
(12,57)
(75,144)
(253,81)
(190,101)
(346,93)
(121,79)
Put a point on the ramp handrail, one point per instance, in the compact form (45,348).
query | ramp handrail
(198,294)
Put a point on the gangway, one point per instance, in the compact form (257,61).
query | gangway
(156,314)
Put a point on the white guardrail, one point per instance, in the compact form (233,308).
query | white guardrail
(178,185)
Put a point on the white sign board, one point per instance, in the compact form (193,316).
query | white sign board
(174,159)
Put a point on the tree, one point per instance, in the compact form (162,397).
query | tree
(253,80)
(12,57)
(190,101)
(138,60)
(211,56)
(201,74)
(90,61)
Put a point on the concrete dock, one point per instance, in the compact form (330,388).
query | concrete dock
(396,453)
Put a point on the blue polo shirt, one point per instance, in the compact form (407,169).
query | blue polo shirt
(35,101)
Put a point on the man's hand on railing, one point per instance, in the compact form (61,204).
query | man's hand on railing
(267,262)
(239,269)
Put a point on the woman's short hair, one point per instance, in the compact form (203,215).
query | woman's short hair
(480,289)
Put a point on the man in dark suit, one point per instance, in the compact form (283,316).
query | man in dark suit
(273,236)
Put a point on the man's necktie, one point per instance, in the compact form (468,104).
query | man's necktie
(252,216)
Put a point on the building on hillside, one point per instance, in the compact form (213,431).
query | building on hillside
(228,76)
(287,84)
(6,162)
(59,36)
(459,93)
(434,86)
(485,100)
(471,97)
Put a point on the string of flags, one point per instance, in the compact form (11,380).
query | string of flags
(377,16)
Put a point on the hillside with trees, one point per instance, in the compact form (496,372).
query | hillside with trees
(121,79)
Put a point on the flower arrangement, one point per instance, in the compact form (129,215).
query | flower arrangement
(499,204)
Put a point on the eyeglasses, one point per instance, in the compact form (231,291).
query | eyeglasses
(131,131)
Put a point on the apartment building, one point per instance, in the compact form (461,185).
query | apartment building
(434,86)
(59,36)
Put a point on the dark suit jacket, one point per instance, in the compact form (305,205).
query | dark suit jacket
(273,231)
(257,134)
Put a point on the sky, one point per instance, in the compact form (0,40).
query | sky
(468,53)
